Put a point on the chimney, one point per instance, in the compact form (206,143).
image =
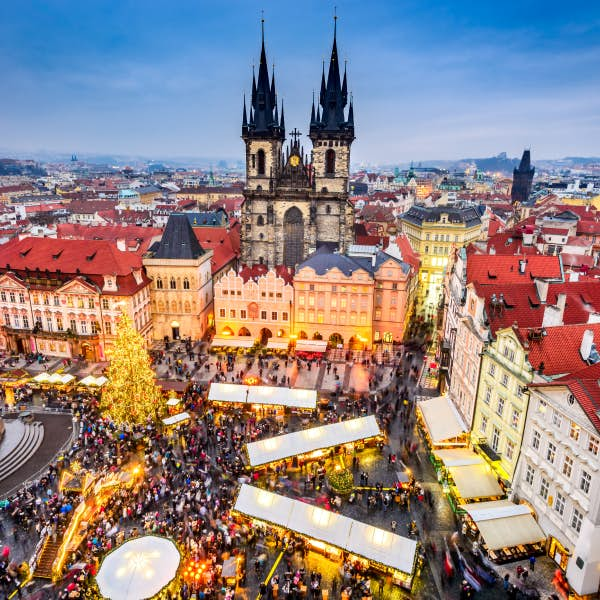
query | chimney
(492,250)
(542,289)
(373,260)
(121,244)
(522,266)
(554,315)
(586,344)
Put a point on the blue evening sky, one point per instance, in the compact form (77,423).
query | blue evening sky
(430,78)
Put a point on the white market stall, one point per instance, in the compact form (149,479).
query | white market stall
(311,440)
(278,344)
(319,346)
(475,481)
(508,530)
(232,342)
(442,422)
(458,457)
(177,419)
(138,569)
(331,532)
(91,381)
(231,393)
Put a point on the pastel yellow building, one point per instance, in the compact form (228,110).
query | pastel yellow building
(433,233)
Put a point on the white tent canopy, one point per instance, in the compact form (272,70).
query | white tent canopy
(263,394)
(42,377)
(233,342)
(311,346)
(503,524)
(61,379)
(278,344)
(441,418)
(459,457)
(138,569)
(384,547)
(475,481)
(175,419)
(90,380)
(310,440)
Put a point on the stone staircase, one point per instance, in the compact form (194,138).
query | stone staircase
(30,439)
(47,557)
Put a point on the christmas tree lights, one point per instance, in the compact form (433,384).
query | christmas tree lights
(131,395)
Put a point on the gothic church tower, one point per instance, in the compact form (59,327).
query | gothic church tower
(294,204)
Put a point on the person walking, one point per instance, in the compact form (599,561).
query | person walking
(532,563)
(394,525)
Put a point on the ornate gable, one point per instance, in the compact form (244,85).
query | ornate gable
(77,286)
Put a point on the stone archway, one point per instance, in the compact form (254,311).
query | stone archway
(265,335)
(293,236)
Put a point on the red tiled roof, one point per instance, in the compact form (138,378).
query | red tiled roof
(588,227)
(554,231)
(558,349)
(229,204)
(130,233)
(87,207)
(493,269)
(577,260)
(223,241)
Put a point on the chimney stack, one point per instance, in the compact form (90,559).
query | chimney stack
(522,266)
(542,290)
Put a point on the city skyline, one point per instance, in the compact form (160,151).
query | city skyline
(440,82)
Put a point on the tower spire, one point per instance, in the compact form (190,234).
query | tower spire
(312,111)
(244,116)
(282,122)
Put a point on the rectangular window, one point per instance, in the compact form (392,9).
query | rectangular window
(22,298)
(16,321)
(222,313)
(515,418)
(495,439)
(274,316)
(585,481)
(263,315)
(7,319)
(95,327)
(551,453)
(567,467)
(492,369)
(542,406)
(343,302)
(333,301)
(25,322)
(84,327)
(576,520)
(232,313)
(284,316)
(556,419)
(300,315)
(320,317)
(49,323)
(12,296)
(574,431)
(79,302)
(559,503)
(91,303)
(311,300)
(529,474)
(56,301)
(243,313)
(73,325)
(108,327)
(488,395)
(504,380)
(301,299)
(544,487)
(59,323)
(3,296)
(363,318)
(510,449)
(593,445)
(483,424)
(105,305)
(500,406)
(535,440)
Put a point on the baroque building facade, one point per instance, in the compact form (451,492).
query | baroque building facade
(295,203)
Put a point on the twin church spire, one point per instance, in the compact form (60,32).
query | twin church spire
(264,121)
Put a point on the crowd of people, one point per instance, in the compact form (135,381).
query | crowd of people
(184,489)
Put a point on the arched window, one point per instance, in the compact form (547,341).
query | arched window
(260,220)
(186,283)
(330,162)
(260,157)
(173,284)
(159,284)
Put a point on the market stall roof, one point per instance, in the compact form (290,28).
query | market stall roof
(503,524)
(264,505)
(262,394)
(43,377)
(91,381)
(138,569)
(175,419)
(441,418)
(458,457)
(173,401)
(172,385)
(382,546)
(278,344)
(61,379)
(311,346)
(370,542)
(475,481)
(310,440)
(233,342)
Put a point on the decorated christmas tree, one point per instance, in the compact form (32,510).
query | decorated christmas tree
(131,395)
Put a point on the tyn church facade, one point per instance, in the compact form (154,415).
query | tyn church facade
(295,203)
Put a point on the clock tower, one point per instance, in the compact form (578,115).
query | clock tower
(295,203)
